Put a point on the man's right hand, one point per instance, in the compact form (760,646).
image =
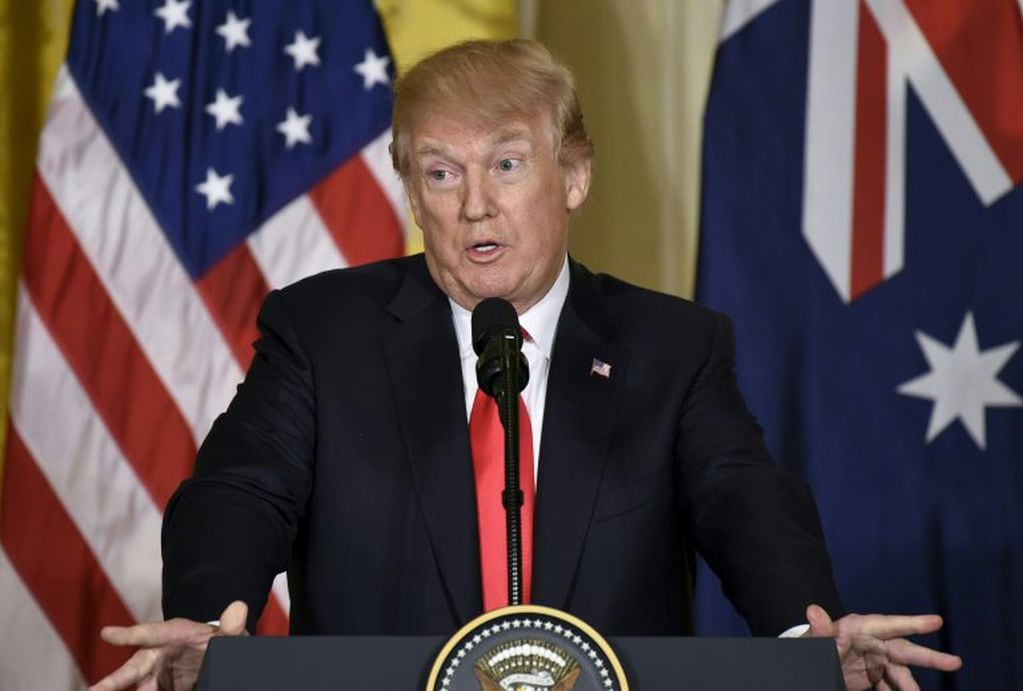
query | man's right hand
(170,651)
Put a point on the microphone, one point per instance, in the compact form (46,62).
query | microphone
(502,371)
(497,340)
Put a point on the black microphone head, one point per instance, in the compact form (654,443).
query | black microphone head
(494,317)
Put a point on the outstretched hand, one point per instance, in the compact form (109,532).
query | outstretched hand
(873,652)
(170,651)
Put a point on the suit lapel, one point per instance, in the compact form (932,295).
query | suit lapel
(578,422)
(422,358)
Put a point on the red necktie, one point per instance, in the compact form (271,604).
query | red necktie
(487,437)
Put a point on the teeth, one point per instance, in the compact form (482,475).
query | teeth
(485,248)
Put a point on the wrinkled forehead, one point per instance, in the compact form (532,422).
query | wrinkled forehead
(445,133)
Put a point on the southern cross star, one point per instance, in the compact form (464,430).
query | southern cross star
(962,382)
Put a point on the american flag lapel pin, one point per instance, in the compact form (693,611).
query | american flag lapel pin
(600,368)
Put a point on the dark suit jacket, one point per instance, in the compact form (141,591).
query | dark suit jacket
(345,458)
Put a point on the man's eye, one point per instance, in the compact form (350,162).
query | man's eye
(508,164)
(438,175)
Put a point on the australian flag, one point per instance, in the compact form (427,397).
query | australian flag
(862,223)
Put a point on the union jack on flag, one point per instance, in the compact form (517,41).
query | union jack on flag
(862,222)
(195,155)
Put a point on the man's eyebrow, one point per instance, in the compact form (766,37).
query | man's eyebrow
(506,136)
(430,150)
(513,136)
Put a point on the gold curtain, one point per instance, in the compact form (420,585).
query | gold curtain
(33,40)
(642,69)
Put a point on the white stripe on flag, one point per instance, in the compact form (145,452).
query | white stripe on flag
(739,13)
(133,259)
(378,159)
(293,244)
(895,165)
(83,463)
(830,128)
(34,656)
(941,99)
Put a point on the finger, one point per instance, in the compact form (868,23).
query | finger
(147,635)
(232,620)
(886,626)
(874,663)
(138,667)
(899,677)
(914,655)
(820,622)
(884,686)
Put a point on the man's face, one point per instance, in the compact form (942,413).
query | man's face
(494,206)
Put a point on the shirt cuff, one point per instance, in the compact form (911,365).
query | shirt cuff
(795,632)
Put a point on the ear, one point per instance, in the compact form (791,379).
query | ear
(577,183)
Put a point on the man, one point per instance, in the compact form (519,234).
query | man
(346,456)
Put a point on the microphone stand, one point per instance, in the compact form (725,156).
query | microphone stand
(511,497)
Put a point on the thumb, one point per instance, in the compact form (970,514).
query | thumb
(820,622)
(232,620)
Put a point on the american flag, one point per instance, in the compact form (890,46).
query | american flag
(600,368)
(195,155)
(862,222)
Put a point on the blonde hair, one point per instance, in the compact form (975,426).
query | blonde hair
(488,83)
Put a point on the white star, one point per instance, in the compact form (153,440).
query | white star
(235,31)
(303,50)
(373,69)
(962,381)
(103,5)
(295,128)
(164,93)
(174,13)
(216,189)
(225,109)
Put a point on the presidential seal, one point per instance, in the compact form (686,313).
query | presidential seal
(526,648)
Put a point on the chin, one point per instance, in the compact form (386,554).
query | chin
(495,287)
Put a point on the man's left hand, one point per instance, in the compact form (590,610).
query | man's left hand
(873,652)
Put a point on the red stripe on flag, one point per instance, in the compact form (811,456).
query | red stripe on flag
(100,348)
(358,214)
(273,622)
(64,577)
(233,290)
(867,256)
(980,45)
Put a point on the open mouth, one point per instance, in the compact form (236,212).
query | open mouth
(485,247)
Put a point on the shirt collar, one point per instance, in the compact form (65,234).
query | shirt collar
(540,321)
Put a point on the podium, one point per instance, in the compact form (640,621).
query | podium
(402,663)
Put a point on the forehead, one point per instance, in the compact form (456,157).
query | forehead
(440,134)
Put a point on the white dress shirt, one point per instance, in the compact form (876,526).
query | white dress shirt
(541,322)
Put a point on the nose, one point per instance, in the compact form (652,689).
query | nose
(477,196)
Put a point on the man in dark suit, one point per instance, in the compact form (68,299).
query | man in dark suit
(346,457)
